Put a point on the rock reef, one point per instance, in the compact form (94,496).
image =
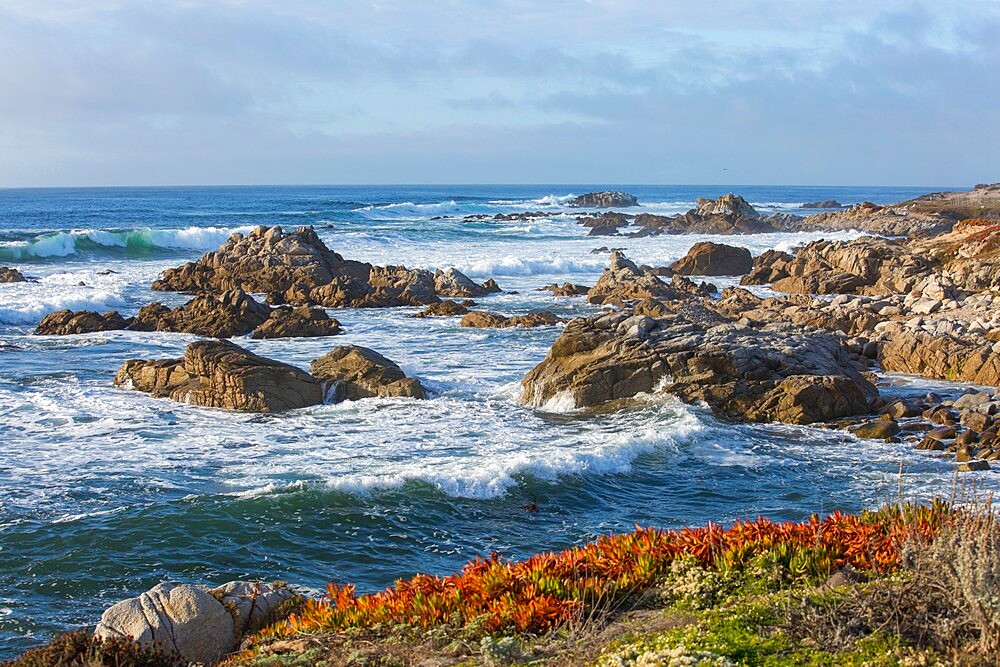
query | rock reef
(297,268)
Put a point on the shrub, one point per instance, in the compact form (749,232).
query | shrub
(81,649)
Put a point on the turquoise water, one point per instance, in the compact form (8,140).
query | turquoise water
(106,492)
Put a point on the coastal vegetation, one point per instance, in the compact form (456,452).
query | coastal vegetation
(903,585)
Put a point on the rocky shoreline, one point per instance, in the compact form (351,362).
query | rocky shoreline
(799,342)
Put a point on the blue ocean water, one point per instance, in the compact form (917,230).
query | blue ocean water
(105,492)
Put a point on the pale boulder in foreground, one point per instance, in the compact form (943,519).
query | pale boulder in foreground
(201,625)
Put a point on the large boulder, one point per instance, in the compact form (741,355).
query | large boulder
(351,372)
(775,372)
(220,374)
(9,275)
(606,199)
(180,617)
(300,322)
(199,624)
(231,313)
(68,322)
(714,259)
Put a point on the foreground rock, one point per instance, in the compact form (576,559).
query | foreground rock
(714,259)
(201,625)
(607,199)
(777,372)
(297,268)
(67,322)
(481,320)
(9,275)
(220,374)
(352,372)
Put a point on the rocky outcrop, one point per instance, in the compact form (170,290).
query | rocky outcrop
(481,320)
(607,199)
(605,224)
(446,308)
(352,372)
(454,284)
(776,372)
(714,259)
(220,374)
(201,625)
(566,289)
(68,322)
(231,313)
(729,214)
(861,266)
(967,358)
(623,282)
(925,216)
(9,275)
(297,268)
(300,322)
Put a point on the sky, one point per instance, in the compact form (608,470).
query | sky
(172,92)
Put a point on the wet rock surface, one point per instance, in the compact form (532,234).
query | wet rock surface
(352,372)
(297,268)
(9,275)
(68,322)
(482,320)
(220,374)
(606,199)
(772,373)
(714,259)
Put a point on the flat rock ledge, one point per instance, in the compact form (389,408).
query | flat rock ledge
(200,624)
(221,374)
(776,372)
(483,320)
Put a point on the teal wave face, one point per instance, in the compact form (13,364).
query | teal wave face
(122,243)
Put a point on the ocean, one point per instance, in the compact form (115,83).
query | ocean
(105,492)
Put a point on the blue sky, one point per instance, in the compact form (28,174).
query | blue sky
(106,92)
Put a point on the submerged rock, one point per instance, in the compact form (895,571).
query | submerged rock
(9,275)
(714,259)
(446,308)
(68,322)
(481,320)
(351,372)
(220,374)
